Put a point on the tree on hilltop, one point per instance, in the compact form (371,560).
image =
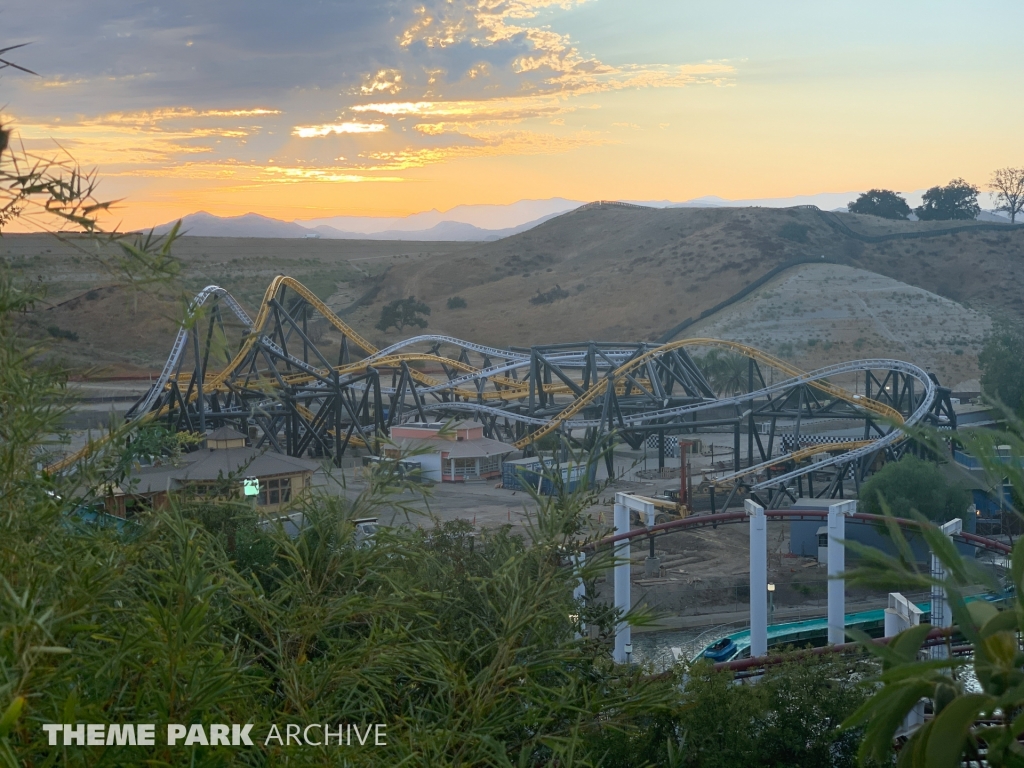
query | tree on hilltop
(958,200)
(402,312)
(881,202)
(1008,186)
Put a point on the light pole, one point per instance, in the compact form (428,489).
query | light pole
(771,604)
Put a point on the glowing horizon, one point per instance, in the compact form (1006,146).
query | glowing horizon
(389,109)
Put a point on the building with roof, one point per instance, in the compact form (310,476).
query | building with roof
(215,471)
(453,455)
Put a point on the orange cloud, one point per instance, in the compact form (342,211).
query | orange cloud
(484,145)
(313,131)
(382,81)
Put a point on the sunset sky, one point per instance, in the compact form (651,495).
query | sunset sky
(303,110)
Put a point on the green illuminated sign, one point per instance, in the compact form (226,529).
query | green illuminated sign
(251,486)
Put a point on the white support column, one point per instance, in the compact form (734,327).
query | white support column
(836,565)
(579,591)
(900,615)
(758,578)
(941,615)
(623,635)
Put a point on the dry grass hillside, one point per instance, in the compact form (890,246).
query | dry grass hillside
(606,273)
(629,273)
(129,333)
(817,314)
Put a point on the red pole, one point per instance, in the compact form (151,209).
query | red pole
(684,495)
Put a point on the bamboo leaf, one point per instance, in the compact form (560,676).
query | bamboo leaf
(11,715)
(950,732)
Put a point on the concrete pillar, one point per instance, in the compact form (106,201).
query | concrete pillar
(579,591)
(623,636)
(836,565)
(941,615)
(652,567)
(900,615)
(758,578)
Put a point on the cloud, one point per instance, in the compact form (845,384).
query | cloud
(117,141)
(233,172)
(515,142)
(383,81)
(332,175)
(555,102)
(199,90)
(156,116)
(313,131)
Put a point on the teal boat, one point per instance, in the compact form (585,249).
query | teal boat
(813,632)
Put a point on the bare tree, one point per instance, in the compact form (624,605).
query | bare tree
(1008,186)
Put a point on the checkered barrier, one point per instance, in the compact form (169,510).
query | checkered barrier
(791,443)
(671,445)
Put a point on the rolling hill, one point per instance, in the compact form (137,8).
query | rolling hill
(631,272)
(605,272)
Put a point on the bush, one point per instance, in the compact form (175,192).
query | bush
(59,333)
(1002,366)
(456,302)
(790,717)
(551,296)
(912,483)
(402,312)
(795,232)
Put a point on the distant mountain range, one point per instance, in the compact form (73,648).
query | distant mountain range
(204,224)
(484,217)
(471,222)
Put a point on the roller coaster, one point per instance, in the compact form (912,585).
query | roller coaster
(277,383)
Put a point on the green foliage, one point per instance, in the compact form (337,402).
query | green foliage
(726,371)
(402,312)
(795,232)
(1002,366)
(955,201)
(462,644)
(456,302)
(790,717)
(881,202)
(913,484)
(965,717)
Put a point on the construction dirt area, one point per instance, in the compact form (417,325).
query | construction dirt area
(703,579)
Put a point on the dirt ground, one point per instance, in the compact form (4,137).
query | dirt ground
(824,313)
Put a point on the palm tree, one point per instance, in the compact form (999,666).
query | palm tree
(726,371)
